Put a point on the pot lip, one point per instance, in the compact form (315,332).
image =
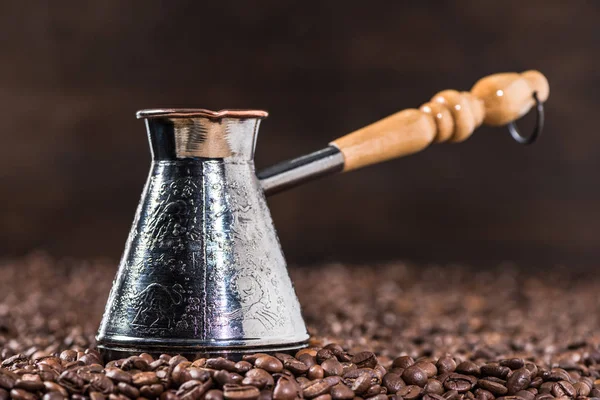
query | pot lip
(200,112)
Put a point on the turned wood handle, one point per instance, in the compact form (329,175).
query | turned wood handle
(450,116)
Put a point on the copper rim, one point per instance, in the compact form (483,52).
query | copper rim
(199,112)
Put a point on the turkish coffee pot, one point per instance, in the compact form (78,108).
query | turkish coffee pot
(203,272)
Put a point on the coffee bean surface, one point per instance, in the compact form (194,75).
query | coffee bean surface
(398,332)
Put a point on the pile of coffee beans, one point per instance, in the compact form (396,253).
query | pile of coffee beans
(380,332)
(320,373)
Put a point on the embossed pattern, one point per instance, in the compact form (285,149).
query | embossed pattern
(203,269)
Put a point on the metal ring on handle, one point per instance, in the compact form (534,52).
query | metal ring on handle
(537,130)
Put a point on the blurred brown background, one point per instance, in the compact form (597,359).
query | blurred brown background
(74,158)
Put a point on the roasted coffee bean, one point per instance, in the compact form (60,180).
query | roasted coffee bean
(468,368)
(335,348)
(7,379)
(119,396)
(88,359)
(302,380)
(324,354)
(332,366)
(315,388)
(410,392)
(128,390)
(46,373)
(14,361)
(556,374)
(341,392)
(532,368)
(100,383)
(358,372)
(563,388)
(282,356)
(360,384)
(364,359)
(97,396)
(251,358)
(28,383)
(429,368)
(222,377)
(513,363)
(323,397)
(22,394)
(55,387)
(380,397)
(307,359)
(181,373)
(145,378)
(262,376)
(380,371)
(525,395)
(221,363)
(374,390)
(152,391)
(459,382)
(546,387)
(286,389)
(432,396)
(135,362)
(414,375)
(295,366)
(315,372)
(68,355)
(195,389)
(403,362)
(582,389)
(536,382)
(446,365)
(433,386)
(71,381)
(156,364)
(496,388)
(332,380)
(347,367)
(214,394)
(265,395)
(482,394)
(52,362)
(241,367)
(118,375)
(258,383)
(451,395)
(175,360)
(235,378)
(309,350)
(393,382)
(167,395)
(519,380)
(495,369)
(199,374)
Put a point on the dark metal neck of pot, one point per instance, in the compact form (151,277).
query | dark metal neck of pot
(291,173)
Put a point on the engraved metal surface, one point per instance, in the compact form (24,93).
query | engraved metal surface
(202,271)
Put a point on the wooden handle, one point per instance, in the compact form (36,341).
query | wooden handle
(450,116)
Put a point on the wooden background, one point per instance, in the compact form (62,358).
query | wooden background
(73,157)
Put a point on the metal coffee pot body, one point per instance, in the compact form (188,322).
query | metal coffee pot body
(203,271)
